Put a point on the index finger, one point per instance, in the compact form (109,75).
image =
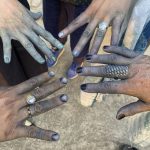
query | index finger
(75,24)
(33,83)
(47,36)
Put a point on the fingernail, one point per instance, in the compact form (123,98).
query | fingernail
(83,87)
(6,60)
(63,80)
(51,74)
(61,34)
(79,70)
(88,57)
(53,58)
(42,61)
(55,137)
(75,53)
(60,46)
(121,116)
(64,98)
(106,47)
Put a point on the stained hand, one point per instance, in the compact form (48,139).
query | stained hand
(101,14)
(17,105)
(134,70)
(18,23)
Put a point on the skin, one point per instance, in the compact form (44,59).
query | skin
(112,13)
(136,83)
(14,109)
(18,23)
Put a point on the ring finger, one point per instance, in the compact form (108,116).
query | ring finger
(42,92)
(100,34)
(43,106)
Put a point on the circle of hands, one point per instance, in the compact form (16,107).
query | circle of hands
(134,67)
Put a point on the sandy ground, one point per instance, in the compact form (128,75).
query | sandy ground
(81,128)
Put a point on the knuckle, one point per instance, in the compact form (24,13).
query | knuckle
(38,108)
(38,92)
(107,86)
(28,45)
(87,33)
(113,58)
(31,132)
(41,43)
(34,82)
(46,34)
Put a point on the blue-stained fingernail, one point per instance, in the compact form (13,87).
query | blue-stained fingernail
(75,53)
(63,80)
(6,59)
(106,47)
(53,58)
(83,87)
(60,46)
(51,74)
(55,137)
(64,98)
(61,34)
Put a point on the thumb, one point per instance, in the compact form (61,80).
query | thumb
(132,109)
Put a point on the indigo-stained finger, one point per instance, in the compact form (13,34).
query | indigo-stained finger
(47,36)
(87,34)
(30,48)
(40,44)
(32,83)
(108,71)
(6,46)
(46,105)
(109,59)
(100,34)
(38,133)
(48,89)
(75,24)
(116,87)
(98,39)
(121,51)
(116,27)
(132,109)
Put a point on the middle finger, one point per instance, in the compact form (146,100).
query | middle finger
(87,34)
(44,91)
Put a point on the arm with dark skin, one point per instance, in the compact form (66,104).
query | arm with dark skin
(14,108)
(135,83)
(18,23)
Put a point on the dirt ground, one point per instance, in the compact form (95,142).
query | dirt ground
(81,128)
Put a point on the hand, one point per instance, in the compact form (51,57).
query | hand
(139,19)
(18,23)
(15,108)
(134,70)
(100,13)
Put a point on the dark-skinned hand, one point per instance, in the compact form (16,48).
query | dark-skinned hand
(135,82)
(14,112)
